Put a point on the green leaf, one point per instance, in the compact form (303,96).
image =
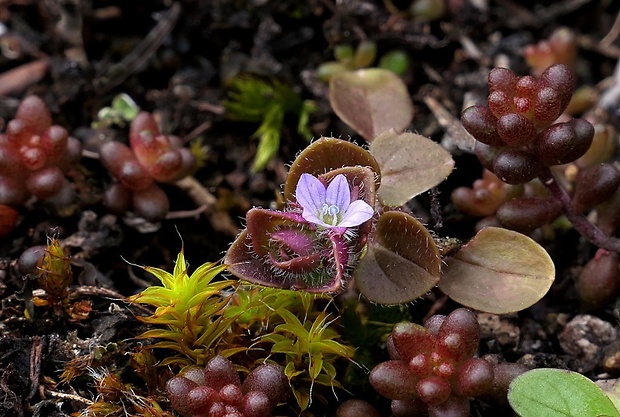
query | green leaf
(284,346)
(499,271)
(124,105)
(316,365)
(293,325)
(410,165)
(302,396)
(371,101)
(123,110)
(365,54)
(319,326)
(335,348)
(166,278)
(401,263)
(290,371)
(269,137)
(395,61)
(344,52)
(303,127)
(558,393)
(180,270)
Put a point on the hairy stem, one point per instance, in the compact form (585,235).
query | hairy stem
(579,221)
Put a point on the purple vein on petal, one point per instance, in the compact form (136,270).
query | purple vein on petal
(338,193)
(310,194)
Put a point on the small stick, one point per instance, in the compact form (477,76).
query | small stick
(579,221)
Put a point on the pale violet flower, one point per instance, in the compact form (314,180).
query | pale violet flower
(330,207)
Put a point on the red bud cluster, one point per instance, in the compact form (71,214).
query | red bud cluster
(515,134)
(559,48)
(485,196)
(432,368)
(34,155)
(150,158)
(216,390)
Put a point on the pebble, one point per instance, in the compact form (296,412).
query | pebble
(585,337)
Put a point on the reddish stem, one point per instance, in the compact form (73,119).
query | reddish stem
(579,221)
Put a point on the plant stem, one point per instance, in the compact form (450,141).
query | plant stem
(579,221)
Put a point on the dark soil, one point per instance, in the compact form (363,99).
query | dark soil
(180,77)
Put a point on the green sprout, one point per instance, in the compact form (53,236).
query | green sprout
(310,348)
(256,308)
(252,99)
(349,59)
(122,111)
(200,151)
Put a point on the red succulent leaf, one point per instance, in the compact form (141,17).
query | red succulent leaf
(411,339)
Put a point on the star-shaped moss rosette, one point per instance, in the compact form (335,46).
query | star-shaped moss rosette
(189,310)
(331,218)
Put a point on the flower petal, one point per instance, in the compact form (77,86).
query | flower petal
(338,193)
(312,217)
(359,211)
(310,194)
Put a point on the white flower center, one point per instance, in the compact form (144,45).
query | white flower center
(330,212)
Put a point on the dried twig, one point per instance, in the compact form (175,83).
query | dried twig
(453,127)
(35,365)
(197,131)
(17,79)
(220,220)
(72,397)
(198,193)
(610,99)
(613,33)
(117,73)
(185,214)
(521,16)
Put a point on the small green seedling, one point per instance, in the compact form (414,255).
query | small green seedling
(252,99)
(122,111)
(349,59)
